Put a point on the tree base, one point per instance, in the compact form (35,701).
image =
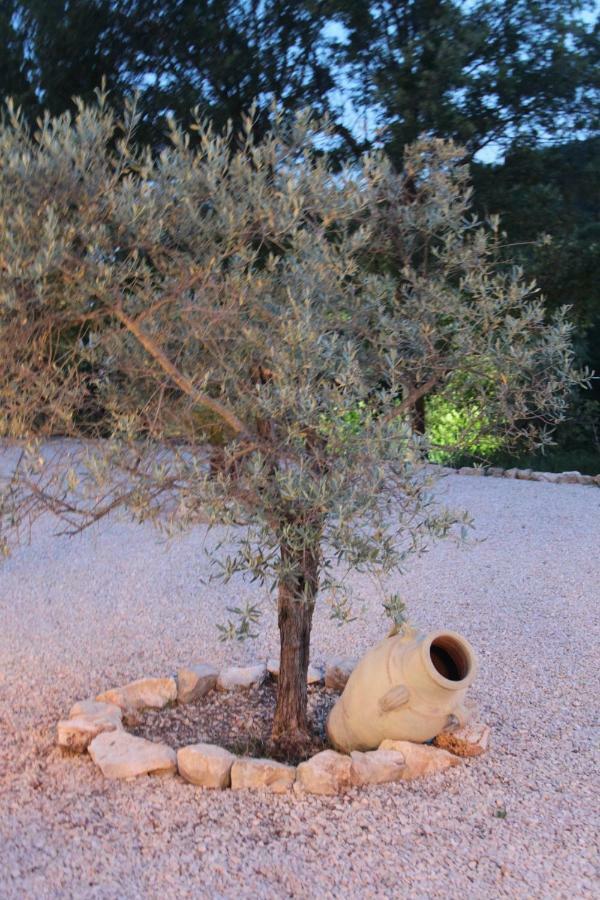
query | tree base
(291,744)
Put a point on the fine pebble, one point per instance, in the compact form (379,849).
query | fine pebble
(117,603)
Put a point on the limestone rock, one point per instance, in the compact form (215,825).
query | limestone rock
(195,681)
(421,759)
(154,692)
(238,678)
(314,675)
(470,740)
(569,477)
(92,708)
(337,673)
(207,765)
(495,471)
(510,473)
(263,774)
(471,470)
(552,477)
(524,474)
(89,720)
(326,773)
(121,755)
(586,479)
(377,766)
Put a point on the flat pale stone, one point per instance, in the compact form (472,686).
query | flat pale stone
(237,678)
(206,765)
(471,470)
(337,673)
(586,479)
(146,692)
(510,473)
(524,474)
(552,477)
(421,759)
(470,740)
(314,675)
(569,477)
(93,708)
(327,772)
(262,774)
(77,732)
(377,766)
(494,471)
(195,681)
(122,755)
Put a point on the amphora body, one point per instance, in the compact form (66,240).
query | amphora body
(405,688)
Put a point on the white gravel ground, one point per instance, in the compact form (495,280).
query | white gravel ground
(80,615)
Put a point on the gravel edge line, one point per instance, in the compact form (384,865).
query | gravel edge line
(522,474)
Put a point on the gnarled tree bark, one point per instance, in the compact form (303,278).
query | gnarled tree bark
(296,600)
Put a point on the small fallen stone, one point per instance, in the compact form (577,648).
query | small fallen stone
(511,473)
(377,766)
(146,692)
(77,732)
(470,740)
(195,681)
(421,759)
(471,470)
(122,755)
(265,774)
(326,773)
(524,474)
(337,673)
(238,678)
(206,765)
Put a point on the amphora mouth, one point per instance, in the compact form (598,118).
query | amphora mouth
(449,659)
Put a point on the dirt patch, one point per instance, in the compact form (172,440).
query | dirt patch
(240,721)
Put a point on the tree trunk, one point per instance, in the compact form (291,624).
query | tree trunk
(296,600)
(418,415)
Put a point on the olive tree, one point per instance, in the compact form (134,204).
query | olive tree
(207,326)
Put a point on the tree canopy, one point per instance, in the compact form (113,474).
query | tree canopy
(511,82)
(223,283)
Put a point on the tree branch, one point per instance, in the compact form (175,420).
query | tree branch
(178,377)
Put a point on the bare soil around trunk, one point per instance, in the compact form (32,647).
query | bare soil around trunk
(240,721)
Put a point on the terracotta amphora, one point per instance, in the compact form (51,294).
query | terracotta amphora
(407,688)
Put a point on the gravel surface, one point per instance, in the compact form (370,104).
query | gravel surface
(79,616)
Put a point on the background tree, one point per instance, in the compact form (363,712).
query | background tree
(549,201)
(221,56)
(212,284)
(482,73)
